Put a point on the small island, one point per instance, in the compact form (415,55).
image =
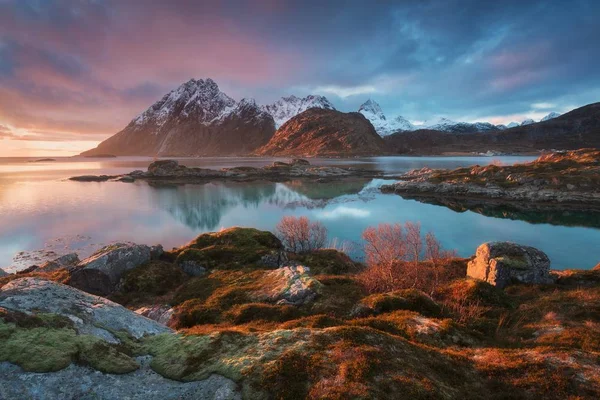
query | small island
(565,180)
(170,171)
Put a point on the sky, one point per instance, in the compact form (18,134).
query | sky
(74,72)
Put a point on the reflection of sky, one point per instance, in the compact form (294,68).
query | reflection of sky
(33,213)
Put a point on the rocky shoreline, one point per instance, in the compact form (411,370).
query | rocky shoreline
(171,171)
(563,180)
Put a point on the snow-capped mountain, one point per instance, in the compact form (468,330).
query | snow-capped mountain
(194,119)
(447,125)
(528,121)
(551,116)
(288,107)
(383,126)
(199,99)
(512,124)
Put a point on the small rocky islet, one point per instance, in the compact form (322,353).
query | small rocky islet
(170,171)
(565,180)
(234,315)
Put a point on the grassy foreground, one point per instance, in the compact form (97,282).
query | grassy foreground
(467,340)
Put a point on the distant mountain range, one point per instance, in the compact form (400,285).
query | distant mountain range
(576,129)
(197,119)
(386,126)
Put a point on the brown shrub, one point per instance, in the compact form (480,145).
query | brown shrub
(300,235)
(393,254)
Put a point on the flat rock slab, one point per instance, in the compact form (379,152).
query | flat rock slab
(91,314)
(82,383)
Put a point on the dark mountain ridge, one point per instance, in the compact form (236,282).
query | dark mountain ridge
(576,129)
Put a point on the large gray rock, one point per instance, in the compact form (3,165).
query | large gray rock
(293,285)
(100,273)
(65,261)
(504,263)
(91,314)
(82,383)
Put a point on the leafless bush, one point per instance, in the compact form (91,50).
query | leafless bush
(300,235)
(466,310)
(394,257)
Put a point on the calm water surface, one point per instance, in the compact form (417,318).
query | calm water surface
(41,211)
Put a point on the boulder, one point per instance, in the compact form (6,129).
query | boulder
(504,263)
(100,273)
(292,285)
(90,314)
(163,168)
(65,261)
(192,268)
(159,313)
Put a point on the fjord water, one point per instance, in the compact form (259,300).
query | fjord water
(41,211)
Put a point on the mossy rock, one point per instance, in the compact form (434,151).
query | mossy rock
(327,261)
(230,249)
(155,278)
(339,294)
(407,299)
(44,343)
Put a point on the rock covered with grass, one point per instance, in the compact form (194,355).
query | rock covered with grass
(503,263)
(232,248)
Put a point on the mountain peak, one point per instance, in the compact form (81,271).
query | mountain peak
(551,115)
(371,106)
(287,107)
(384,127)
(528,121)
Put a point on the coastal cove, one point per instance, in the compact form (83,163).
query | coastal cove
(41,210)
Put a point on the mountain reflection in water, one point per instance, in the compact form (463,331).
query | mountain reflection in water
(202,206)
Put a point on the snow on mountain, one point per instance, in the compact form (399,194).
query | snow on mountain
(501,127)
(512,124)
(528,121)
(195,119)
(551,116)
(198,98)
(383,126)
(288,107)
(447,125)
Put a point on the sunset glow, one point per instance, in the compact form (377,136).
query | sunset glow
(73,73)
